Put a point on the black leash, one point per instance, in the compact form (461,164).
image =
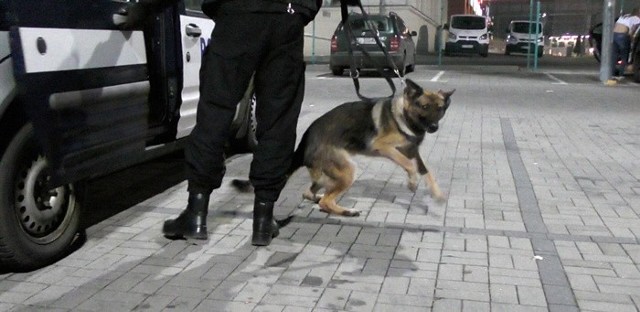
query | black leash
(353,70)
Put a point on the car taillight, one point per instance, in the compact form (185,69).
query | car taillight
(334,44)
(394,44)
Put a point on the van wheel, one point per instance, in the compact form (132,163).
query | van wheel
(252,126)
(37,224)
(636,65)
(336,70)
(243,139)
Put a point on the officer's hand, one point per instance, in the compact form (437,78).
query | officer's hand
(133,16)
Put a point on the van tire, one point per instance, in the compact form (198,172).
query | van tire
(337,70)
(636,64)
(37,226)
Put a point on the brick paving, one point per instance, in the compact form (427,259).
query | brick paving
(542,215)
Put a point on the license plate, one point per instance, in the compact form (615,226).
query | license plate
(467,46)
(366,41)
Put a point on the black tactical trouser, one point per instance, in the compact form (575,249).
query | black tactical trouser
(271,45)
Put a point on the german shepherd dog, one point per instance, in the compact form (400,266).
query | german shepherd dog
(391,128)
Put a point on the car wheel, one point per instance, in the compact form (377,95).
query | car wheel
(636,65)
(37,224)
(244,139)
(411,67)
(252,126)
(336,70)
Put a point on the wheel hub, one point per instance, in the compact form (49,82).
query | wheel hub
(41,210)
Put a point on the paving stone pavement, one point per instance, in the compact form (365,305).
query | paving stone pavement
(542,215)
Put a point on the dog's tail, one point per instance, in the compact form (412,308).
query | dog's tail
(297,161)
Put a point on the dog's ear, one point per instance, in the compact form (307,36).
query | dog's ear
(446,96)
(412,89)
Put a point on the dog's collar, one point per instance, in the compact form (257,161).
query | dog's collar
(397,111)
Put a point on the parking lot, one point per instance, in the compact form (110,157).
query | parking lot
(542,174)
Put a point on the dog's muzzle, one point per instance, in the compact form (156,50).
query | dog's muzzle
(432,128)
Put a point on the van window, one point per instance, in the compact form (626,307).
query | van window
(468,22)
(523,28)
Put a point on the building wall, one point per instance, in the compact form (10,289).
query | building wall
(562,16)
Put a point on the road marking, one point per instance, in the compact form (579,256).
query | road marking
(437,77)
(556,79)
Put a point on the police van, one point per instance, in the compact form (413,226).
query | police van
(522,37)
(81,98)
(468,33)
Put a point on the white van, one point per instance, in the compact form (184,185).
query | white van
(522,38)
(468,33)
(80,98)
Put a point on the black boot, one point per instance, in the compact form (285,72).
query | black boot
(192,222)
(265,227)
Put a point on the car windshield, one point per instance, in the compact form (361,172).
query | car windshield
(380,22)
(468,22)
(523,28)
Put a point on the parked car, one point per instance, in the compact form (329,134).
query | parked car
(80,98)
(468,33)
(522,38)
(595,41)
(394,35)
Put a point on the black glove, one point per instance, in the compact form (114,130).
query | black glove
(133,16)
(351,2)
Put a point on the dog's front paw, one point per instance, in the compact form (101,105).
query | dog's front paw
(440,198)
(351,213)
(413,185)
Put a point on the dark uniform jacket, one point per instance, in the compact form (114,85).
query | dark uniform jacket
(308,8)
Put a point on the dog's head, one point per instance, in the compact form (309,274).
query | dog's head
(424,107)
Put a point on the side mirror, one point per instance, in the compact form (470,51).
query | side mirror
(413,33)
(446,26)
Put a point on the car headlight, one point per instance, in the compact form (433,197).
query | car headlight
(452,36)
(484,37)
(511,39)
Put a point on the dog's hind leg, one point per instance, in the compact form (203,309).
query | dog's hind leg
(341,179)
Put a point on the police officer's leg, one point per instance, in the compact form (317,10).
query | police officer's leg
(279,86)
(226,70)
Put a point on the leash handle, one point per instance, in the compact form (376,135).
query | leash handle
(353,71)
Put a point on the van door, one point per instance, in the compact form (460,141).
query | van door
(195,28)
(82,82)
